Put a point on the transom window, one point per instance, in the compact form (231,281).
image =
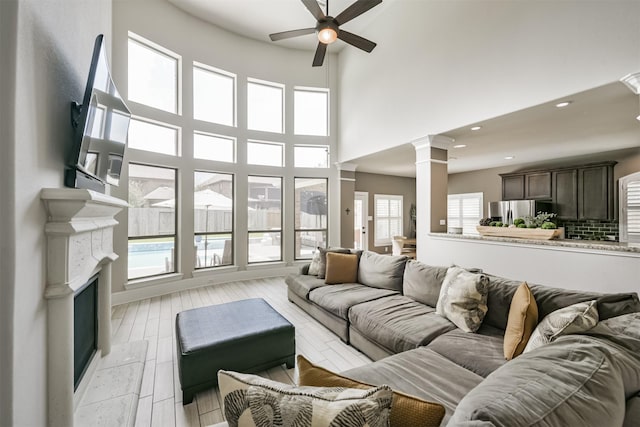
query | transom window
(153,136)
(265,153)
(214,147)
(154,75)
(311,111)
(464,210)
(388,218)
(265,106)
(311,156)
(214,95)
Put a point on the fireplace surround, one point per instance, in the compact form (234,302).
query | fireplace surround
(79,232)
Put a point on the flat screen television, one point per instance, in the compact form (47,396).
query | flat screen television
(101,124)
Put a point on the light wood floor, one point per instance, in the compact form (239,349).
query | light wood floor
(153,320)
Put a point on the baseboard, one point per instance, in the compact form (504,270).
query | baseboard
(155,290)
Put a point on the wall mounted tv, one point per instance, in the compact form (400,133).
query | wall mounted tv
(101,124)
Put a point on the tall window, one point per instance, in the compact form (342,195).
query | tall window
(213,219)
(214,147)
(152,220)
(214,95)
(153,136)
(388,218)
(265,106)
(311,112)
(464,210)
(630,208)
(265,218)
(265,153)
(310,215)
(154,75)
(311,156)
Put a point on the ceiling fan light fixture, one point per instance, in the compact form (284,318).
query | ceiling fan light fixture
(632,81)
(327,35)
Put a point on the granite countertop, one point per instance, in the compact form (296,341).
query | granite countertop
(601,245)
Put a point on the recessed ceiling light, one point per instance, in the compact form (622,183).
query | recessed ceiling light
(563,104)
(510,157)
(459,146)
(476,128)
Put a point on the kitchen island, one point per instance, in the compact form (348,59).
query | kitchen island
(600,266)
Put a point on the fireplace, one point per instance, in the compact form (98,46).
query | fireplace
(85,328)
(79,233)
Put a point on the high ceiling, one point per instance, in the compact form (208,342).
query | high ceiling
(596,121)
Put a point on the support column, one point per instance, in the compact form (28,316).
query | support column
(431,188)
(347,193)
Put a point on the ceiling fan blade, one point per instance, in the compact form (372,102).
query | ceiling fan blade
(355,10)
(318,59)
(314,8)
(292,33)
(357,41)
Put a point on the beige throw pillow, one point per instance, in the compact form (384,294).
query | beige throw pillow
(341,268)
(406,410)
(523,318)
(573,319)
(252,401)
(463,298)
(322,265)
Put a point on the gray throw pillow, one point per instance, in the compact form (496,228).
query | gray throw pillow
(569,320)
(381,271)
(463,298)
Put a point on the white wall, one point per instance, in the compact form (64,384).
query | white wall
(196,40)
(52,41)
(440,65)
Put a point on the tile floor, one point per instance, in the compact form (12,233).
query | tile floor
(152,320)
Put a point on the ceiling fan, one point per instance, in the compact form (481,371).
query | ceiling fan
(328,28)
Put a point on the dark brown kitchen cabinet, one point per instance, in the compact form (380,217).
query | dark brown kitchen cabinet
(537,185)
(595,192)
(564,193)
(513,187)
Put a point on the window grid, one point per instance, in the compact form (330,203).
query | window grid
(388,218)
(464,210)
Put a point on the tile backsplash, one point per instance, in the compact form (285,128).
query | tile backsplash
(590,229)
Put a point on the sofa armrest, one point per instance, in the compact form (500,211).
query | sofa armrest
(304,269)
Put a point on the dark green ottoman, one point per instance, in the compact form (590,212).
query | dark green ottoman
(245,336)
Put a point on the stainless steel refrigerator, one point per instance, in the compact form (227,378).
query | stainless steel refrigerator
(507,211)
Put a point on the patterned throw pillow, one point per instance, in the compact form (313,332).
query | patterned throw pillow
(523,318)
(341,268)
(314,267)
(406,410)
(253,401)
(463,298)
(573,319)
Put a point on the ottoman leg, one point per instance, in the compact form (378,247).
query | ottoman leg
(187,397)
(290,362)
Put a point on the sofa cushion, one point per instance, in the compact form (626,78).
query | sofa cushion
(523,319)
(406,410)
(550,299)
(322,265)
(422,373)
(422,282)
(398,323)
(577,380)
(341,268)
(481,353)
(338,299)
(632,414)
(381,271)
(569,320)
(302,284)
(250,400)
(463,298)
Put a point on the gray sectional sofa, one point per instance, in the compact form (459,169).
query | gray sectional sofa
(590,379)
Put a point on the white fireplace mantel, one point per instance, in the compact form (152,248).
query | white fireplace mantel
(79,233)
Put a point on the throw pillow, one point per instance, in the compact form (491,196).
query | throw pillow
(322,266)
(463,298)
(341,268)
(573,319)
(523,318)
(314,267)
(252,401)
(406,410)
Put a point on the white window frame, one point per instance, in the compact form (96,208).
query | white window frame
(458,220)
(376,197)
(624,183)
(314,90)
(224,73)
